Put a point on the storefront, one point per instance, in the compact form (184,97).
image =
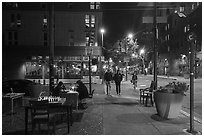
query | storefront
(67,67)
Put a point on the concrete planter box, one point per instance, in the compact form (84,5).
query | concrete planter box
(168,105)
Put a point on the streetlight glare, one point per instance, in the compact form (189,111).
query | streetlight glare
(102,30)
(142,51)
(130,35)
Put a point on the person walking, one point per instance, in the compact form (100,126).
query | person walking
(118,77)
(107,80)
(134,79)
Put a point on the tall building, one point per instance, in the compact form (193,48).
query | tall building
(186,17)
(26,39)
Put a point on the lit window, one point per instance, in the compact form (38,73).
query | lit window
(97,5)
(182,9)
(87,21)
(92,25)
(16,5)
(92,18)
(45,22)
(185,28)
(166,28)
(87,40)
(86,18)
(193,6)
(18,20)
(188,27)
(91,5)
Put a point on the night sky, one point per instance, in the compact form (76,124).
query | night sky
(119,19)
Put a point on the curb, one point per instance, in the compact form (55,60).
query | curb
(188,115)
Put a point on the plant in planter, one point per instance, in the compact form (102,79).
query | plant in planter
(168,99)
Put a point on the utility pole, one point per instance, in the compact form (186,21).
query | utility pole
(155,44)
(51,44)
(192,40)
(90,74)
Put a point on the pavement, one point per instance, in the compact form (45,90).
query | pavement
(112,115)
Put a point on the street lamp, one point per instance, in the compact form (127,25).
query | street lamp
(142,51)
(102,32)
(130,35)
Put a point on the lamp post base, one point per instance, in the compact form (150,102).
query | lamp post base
(193,132)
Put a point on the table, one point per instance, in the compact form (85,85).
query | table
(72,97)
(51,105)
(13,96)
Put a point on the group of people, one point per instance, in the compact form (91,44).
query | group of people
(108,78)
(80,88)
(117,77)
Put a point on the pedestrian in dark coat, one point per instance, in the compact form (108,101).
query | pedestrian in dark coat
(108,79)
(118,77)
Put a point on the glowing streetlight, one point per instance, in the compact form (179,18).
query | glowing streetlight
(102,31)
(130,35)
(142,51)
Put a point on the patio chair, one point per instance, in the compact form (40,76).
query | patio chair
(147,94)
(40,114)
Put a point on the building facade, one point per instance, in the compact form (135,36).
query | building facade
(174,46)
(26,39)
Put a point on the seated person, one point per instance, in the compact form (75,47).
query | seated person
(59,88)
(83,93)
(82,90)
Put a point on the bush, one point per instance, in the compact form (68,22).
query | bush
(175,87)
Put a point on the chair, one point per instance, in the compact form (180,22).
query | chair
(147,94)
(71,100)
(40,114)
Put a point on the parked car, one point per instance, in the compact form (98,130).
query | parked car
(18,86)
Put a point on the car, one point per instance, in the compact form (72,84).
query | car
(17,86)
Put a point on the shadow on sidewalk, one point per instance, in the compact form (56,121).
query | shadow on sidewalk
(120,100)
(178,120)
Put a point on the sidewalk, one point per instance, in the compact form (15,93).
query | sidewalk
(117,115)
(124,115)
